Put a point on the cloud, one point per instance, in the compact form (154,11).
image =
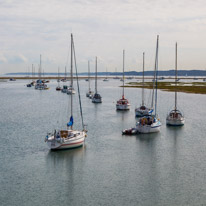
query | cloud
(3,59)
(17,59)
(101,28)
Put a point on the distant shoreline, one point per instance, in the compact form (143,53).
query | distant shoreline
(85,77)
(165,73)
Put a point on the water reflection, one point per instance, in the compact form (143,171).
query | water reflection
(149,167)
(63,157)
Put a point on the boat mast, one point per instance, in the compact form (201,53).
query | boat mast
(123,74)
(65,73)
(58,76)
(40,68)
(89,75)
(176,77)
(156,73)
(71,78)
(32,71)
(96,77)
(143,82)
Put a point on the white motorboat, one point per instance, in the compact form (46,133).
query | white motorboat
(175,117)
(68,138)
(143,110)
(123,103)
(96,98)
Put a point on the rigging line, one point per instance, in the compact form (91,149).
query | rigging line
(80,104)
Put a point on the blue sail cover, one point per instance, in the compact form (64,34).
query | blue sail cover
(71,121)
(151,111)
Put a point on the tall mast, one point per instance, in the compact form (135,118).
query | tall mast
(156,73)
(58,76)
(32,72)
(143,82)
(40,68)
(176,77)
(123,74)
(89,75)
(96,77)
(71,77)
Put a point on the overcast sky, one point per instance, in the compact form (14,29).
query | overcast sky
(104,28)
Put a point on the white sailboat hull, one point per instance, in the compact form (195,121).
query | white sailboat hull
(140,113)
(71,92)
(155,127)
(175,122)
(64,90)
(94,100)
(66,143)
(122,107)
(89,94)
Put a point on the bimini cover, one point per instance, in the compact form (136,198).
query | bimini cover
(71,121)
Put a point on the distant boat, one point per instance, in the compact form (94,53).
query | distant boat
(123,103)
(89,93)
(143,110)
(58,88)
(68,138)
(64,89)
(12,79)
(106,78)
(151,124)
(96,97)
(30,84)
(175,117)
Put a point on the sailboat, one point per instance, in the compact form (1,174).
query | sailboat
(150,124)
(96,97)
(143,110)
(71,88)
(175,117)
(68,138)
(123,104)
(65,87)
(29,84)
(65,76)
(106,79)
(89,93)
(40,85)
(58,88)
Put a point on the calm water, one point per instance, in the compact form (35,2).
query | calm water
(168,168)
